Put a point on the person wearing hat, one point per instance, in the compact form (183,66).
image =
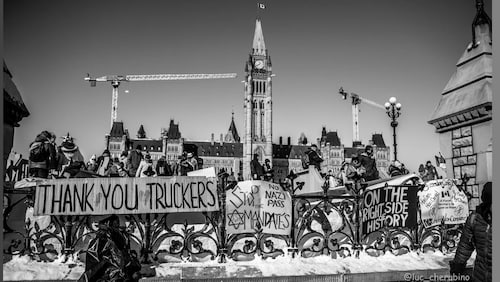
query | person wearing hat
(368,161)
(476,235)
(188,163)
(42,155)
(146,168)
(193,162)
(70,160)
(395,169)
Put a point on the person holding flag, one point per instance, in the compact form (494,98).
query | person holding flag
(440,161)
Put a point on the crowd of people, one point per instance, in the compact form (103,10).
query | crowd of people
(49,160)
(363,166)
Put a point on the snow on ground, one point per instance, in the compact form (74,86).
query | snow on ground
(287,266)
(24,268)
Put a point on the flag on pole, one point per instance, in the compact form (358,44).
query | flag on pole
(261,5)
(440,161)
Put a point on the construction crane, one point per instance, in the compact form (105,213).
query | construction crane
(355,101)
(117,79)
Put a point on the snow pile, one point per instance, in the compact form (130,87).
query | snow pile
(24,268)
(287,266)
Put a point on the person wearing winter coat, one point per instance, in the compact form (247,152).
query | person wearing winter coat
(268,170)
(104,163)
(146,168)
(187,164)
(92,164)
(422,171)
(476,234)
(192,162)
(43,155)
(163,168)
(135,158)
(430,172)
(395,169)
(313,157)
(369,163)
(109,256)
(256,168)
(69,160)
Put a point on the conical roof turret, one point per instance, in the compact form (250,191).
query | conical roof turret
(259,46)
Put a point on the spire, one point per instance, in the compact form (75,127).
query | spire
(141,133)
(481,24)
(117,129)
(259,47)
(173,130)
(232,134)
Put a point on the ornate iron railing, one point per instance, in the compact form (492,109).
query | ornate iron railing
(324,225)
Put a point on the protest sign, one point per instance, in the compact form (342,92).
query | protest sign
(253,203)
(442,200)
(392,206)
(127,195)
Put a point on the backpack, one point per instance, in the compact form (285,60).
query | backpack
(38,152)
(149,171)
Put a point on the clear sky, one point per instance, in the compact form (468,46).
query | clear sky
(378,49)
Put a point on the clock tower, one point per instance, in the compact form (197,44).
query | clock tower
(258,103)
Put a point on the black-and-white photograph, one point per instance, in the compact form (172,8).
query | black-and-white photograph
(264,140)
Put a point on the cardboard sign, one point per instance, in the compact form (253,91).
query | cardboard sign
(442,200)
(253,203)
(126,195)
(394,206)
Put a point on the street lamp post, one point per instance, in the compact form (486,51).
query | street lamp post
(393,111)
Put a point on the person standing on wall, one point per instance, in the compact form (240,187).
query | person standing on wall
(134,160)
(368,161)
(42,155)
(268,171)
(146,168)
(256,168)
(163,168)
(431,172)
(313,158)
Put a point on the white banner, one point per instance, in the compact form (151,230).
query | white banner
(126,195)
(442,200)
(253,203)
(207,172)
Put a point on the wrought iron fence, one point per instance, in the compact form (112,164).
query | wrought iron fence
(323,225)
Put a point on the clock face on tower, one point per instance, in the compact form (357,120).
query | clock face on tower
(259,64)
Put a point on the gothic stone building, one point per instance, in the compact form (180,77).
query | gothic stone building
(233,154)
